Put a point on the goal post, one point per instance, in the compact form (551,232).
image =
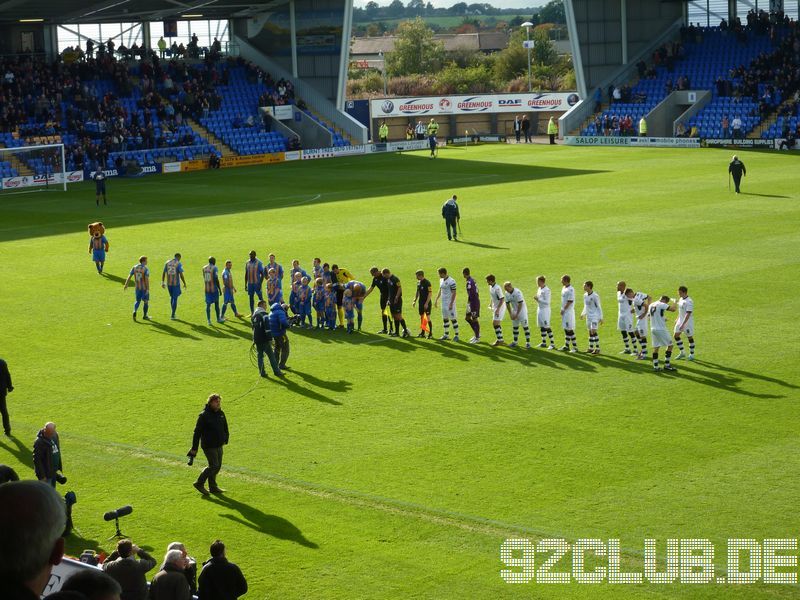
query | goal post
(35,168)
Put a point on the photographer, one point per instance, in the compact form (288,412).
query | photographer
(262,339)
(211,432)
(279,325)
(47,456)
(128,564)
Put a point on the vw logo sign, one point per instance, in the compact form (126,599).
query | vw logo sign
(387,106)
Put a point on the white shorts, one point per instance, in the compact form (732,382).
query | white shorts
(687,331)
(521,320)
(661,337)
(641,327)
(448,313)
(592,324)
(498,315)
(568,320)
(543,317)
(625,322)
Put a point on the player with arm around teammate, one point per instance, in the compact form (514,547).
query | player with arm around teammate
(641,304)
(625,318)
(685,323)
(658,329)
(518,311)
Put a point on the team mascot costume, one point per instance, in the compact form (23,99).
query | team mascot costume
(98,245)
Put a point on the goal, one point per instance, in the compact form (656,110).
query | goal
(35,168)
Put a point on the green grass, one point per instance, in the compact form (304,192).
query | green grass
(386,468)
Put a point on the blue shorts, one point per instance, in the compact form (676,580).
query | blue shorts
(349,314)
(98,255)
(254,288)
(212,297)
(228,296)
(174,291)
(143,295)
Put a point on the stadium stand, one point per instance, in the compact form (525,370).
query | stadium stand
(748,68)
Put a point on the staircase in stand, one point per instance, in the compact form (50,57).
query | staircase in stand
(17,164)
(212,139)
(768,121)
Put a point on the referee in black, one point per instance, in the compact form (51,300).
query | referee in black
(211,432)
(379,282)
(100,186)
(737,170)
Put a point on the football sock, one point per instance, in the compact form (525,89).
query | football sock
(446,325)
(679,344)
(574,341)
(550,335)
(252,303)
(515,331)
(403,324)
(667,356)
(360,319)
(225,308)
(477,327)
(643,343)
(216,309)
(208,312)
(136,305)
(498,331)
(625,340)
(385,322)
(146,306)
(543,331)
(455,327)
(340,311)
(527,331)
(691,346)
(655,360)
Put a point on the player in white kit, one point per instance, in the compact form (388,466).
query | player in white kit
(625,318)
(568,314)
(641,302)
(593,313)
(447,293)
(543,312)
(518,311)
(685,323)
(497,304)
(658,329)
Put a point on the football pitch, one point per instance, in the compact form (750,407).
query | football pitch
(396,468)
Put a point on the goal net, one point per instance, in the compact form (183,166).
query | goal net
(34,169)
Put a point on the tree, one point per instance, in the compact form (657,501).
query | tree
(516,21)
(396,9)
(371,9)
(415,50)
(459,8)
(415,7)
(552,12)
(543,51)
(513,61)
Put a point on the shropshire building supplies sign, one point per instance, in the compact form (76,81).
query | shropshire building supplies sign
(461,105)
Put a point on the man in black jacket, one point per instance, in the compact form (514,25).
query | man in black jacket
(211,432)
(262,338)
(736,168)
(5,388)
(128,565)
(220,579)
(47,455)
(451,217)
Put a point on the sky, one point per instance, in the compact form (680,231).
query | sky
(447,3)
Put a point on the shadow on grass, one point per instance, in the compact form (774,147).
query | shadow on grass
(479,245)
(168,330)
(764,195)
(112,277)
(292,184)
(18,450)
(75,543)
(296,388)
(258,520)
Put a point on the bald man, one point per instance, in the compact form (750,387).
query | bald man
(47,455)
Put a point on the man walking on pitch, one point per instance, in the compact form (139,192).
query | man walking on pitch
(211,433)
(253,277)
(433,130)
(593,313)
(685,323)
(228,290)
(473,307)
(212,286)
(141,277)
(451,216)
(518,311)
(568,314)
(447,292)
(422,300)
(660,334)
(173,274)
(543,312)
(736,169)
(497,304)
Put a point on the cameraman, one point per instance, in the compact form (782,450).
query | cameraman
(262,339)
(279,325)
(128,564)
